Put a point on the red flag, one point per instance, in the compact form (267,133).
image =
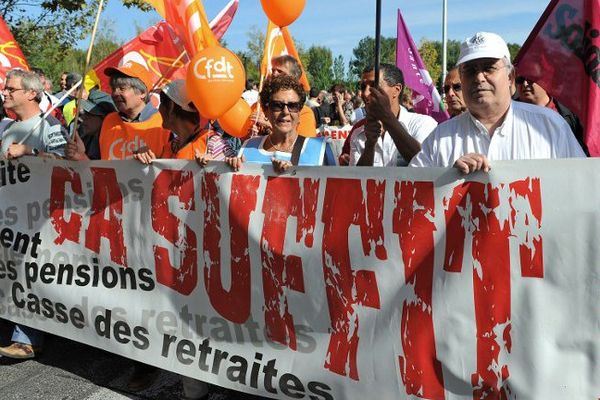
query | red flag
(11,55)
(562,54)
(158,48)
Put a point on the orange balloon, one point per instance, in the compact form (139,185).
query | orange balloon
(215,81)
(283,12)
(236,121)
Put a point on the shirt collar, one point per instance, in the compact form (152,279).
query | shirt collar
(482,130)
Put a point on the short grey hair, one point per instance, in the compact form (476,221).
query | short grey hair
(508,65)
(135,83)
(29,81)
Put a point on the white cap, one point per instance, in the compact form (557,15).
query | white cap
(176,91)
(483,45)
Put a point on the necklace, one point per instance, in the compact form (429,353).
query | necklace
(285,149)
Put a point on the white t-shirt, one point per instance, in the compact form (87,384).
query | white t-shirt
(49,136)
(386,154)
(528,132)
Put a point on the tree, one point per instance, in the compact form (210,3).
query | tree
(364,54)
(319,62)
(429,55)
(339,70)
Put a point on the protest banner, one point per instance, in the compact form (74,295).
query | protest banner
(324,283)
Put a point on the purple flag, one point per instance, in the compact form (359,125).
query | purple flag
(426,99)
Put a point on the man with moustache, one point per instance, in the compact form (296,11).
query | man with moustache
(530,92)
(453,96)
(494,127)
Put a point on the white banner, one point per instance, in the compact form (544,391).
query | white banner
(324,283)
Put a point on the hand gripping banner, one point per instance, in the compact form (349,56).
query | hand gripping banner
(325,283)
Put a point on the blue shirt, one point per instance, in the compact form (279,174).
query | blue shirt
(315,151)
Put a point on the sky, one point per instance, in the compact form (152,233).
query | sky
(340,24)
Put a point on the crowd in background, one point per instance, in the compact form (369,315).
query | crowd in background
(131,122)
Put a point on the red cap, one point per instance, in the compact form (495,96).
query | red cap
(133,70)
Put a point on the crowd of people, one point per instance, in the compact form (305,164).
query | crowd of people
(495,115)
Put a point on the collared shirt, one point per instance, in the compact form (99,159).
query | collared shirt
(386,154)
(528,132)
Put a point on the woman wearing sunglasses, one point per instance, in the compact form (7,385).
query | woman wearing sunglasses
(282,98)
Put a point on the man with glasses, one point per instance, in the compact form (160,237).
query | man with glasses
(390,135)
(494,127)
(28,135)
(453,96)
(530,92)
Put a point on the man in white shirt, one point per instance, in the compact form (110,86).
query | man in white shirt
(494,127)
(389,135)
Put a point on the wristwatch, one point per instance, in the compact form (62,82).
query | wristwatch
(34,152)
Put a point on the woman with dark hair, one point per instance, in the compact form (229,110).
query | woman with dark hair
(282,98)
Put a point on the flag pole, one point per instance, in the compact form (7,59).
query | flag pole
(87,65)
(377,40)
(444,42)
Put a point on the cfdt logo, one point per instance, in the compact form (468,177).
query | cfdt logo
(211,69)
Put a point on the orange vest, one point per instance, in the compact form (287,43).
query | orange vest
(307,124)
(119,139)
(188,152)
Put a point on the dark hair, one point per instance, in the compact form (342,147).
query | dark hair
(295,70)
(2,112)
(391,74)
(278,83)
(72,79)
(250,84)
(314,92)
(38,71)
(338,87)
(179,112)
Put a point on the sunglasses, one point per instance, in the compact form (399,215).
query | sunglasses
(457,87)
(519,80)
(293,107)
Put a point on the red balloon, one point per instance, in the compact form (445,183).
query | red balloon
(283,12)
(236,120)
(215,81)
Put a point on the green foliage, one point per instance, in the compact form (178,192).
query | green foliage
(319,67)
(339,70)
(429,55)
(54,59)
(364,54)
(514,50)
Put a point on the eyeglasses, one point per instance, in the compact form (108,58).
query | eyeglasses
(293,107)
(487,68)
(519,80)
(11,90)
(457,87)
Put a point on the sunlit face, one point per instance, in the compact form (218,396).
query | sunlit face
(127,99)
(368,80)
(280,69)
(282,119)
(486,83)
(63,81)
(453,94)
(531,92)
(14,94)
